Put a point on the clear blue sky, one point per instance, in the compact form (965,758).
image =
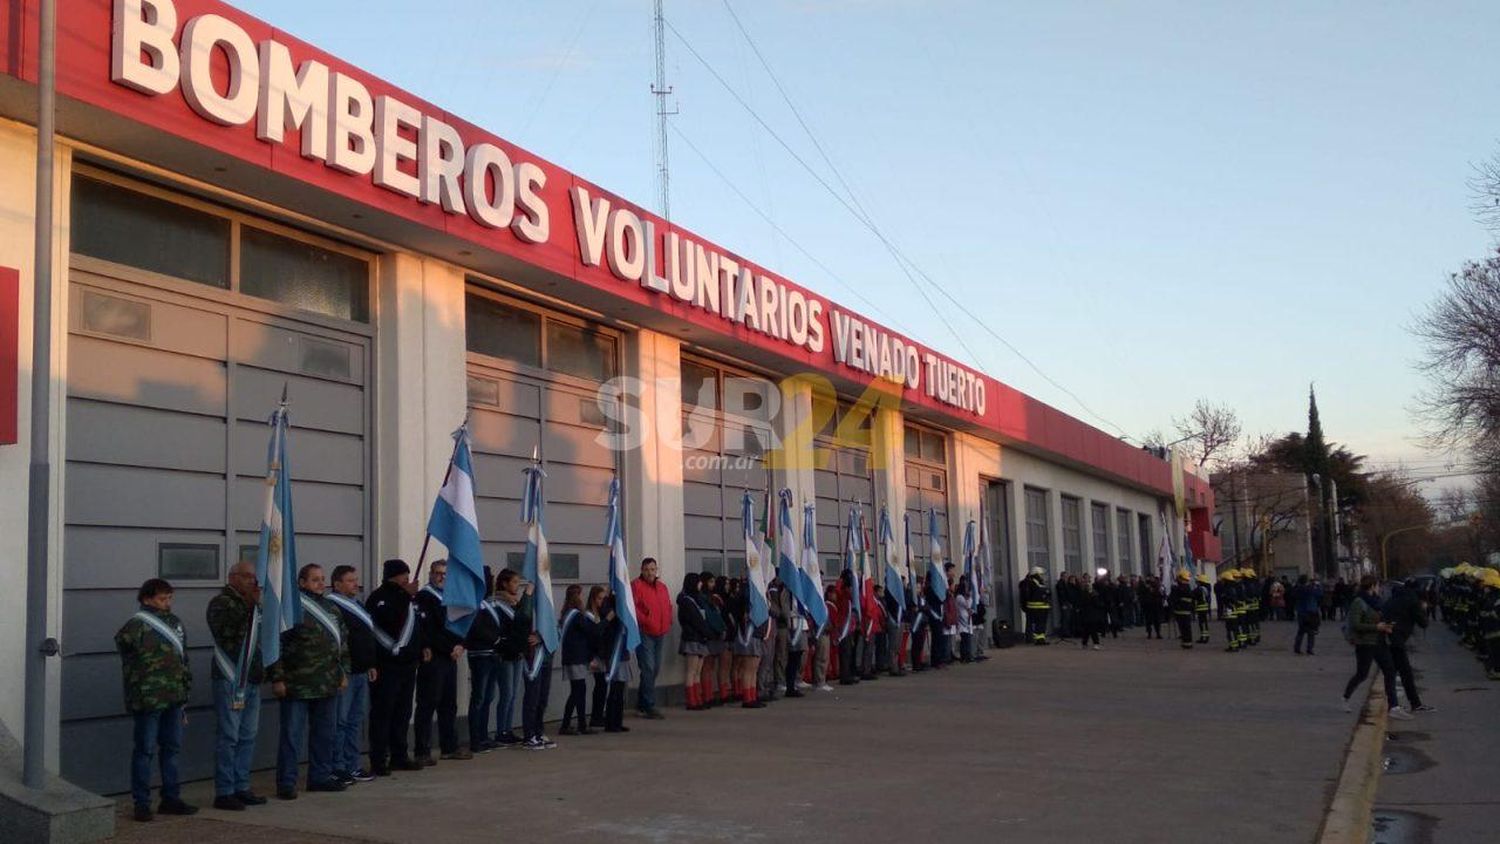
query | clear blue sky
(1155,202)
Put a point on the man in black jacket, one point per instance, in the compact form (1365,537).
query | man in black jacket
(395,615)
(353,700)
(1405,613)
(437,678)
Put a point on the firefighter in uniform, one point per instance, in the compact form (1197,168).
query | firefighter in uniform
(1227,592)
(1489,621)
(1036,600)
(1180,599)
(1200,607)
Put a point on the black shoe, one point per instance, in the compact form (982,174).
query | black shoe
(794,693)
(175,806)
(380,770)
(425,760)
(587,731)
(286,793)
(620,729)
(143,813)
(228,803)
(347,779)
(408,765)
(250,798)
(752,704)
(509,739)
(326,785)
(567,731)
(868,677)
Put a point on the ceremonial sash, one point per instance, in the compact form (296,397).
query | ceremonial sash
(381,637)
(489,607)
(617,656)
(237,672)
(433,592)
(171,636)
(567,621)
(311,606)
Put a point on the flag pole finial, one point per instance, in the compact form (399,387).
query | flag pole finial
(285,385)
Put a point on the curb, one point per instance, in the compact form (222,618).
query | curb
(1353,806)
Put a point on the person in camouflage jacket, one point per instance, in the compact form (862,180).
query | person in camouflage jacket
(236,699)
(153,656)
(314,666)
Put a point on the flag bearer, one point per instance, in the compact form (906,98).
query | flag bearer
(153,657)
(1036,600)
(1181,601)
(237,675)
(313,669)
(1201,607)
(437,678)
(395,616)
(353,703)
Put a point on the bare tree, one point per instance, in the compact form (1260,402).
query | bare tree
(1461,333)
(1154,440)
(1453,505)
(1212,429)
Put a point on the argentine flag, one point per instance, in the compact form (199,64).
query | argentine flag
(936,581)
(760,610)
(982,564)
(276,557)
(808,572)
(854,551)
(537,568)
(454,524)
(786,548)
(893,585)
(970,554)
(619,572)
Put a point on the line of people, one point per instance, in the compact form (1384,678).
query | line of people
(1469,598)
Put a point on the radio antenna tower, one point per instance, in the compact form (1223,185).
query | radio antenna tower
(661,90)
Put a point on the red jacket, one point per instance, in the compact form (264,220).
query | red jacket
(653,607)
(842,605)
(873,612)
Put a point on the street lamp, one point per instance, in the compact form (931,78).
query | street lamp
(1384,571)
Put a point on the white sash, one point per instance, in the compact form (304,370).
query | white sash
(359,612)
(230,668)
(313,608)
(567,621)
(171,636)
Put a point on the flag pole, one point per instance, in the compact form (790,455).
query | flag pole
(247,655)
(427,536)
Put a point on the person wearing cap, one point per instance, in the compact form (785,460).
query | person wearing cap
(1180,599)
(1200,607)
(394,612)
(1036,601)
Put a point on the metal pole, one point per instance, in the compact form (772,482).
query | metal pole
(39,646)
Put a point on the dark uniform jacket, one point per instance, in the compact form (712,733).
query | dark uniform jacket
(363,649)
(580,642)
(388,607)
(484,632)
(228,622)
(432,617)
(1181,599)
(156,675)
(1035,594)
(314,656)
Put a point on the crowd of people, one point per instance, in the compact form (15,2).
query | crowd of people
(1469,600)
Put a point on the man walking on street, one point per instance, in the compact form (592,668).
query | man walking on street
(653,611)
(1405,612)
(1307,603)
(236,687)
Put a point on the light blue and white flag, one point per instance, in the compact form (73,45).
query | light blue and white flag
(910,574)
(276,557)
(854,541)
(808,571)
(619,570)
(936,580)
(893,584)
(971,552)
(537,568)
(755,579)
(787,566)
(453,522)
(982,564)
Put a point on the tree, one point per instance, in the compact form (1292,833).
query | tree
(1211,429)
(1402,519)
(1460,332)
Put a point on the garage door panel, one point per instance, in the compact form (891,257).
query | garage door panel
(500,518)
(578,484)
(702,531)
(311,403)
(91,617)
(826,484)
(575,523)
(501,393)
(593,563)
(749,474)
(104,432)
(330,551)
(499,477)
(830,539)
(282,350)
(122,557)
(314,455)
(95,687)
(119,372)
(856,489)
(571,444)
(162,325)
(502,434)
(701,499)
(700,466)
(127,496)
(317,508)
(578,409)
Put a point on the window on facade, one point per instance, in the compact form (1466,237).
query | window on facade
(922,444)
(1123,539)
(304,276)
(1038,538)
(1072,525)
(184,561)
(116,224)
(1143,535)
(699,387)
(503,331)
(580,352)
(1099,513)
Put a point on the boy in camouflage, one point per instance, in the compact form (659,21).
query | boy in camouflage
(314,666)
(153,656)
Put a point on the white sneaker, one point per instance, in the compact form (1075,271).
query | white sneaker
(1345,703)
(803,685)
(1425,708)
(533,744)
(547,744)
(825,688)
(1098,647)
(1398,713)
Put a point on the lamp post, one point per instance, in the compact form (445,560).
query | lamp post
(1384,571)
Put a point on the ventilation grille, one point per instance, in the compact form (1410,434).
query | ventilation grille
(116,317)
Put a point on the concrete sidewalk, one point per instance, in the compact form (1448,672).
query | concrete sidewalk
(1140,742)
(1440,781)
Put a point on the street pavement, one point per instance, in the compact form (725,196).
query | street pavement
(1440,783)
(1139,742)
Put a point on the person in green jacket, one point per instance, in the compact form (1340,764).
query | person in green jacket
(1368,634)
(313,668)
(153,656)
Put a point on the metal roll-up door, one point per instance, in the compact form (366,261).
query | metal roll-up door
(842,479)
(167,404)
(927,489)
(723,458)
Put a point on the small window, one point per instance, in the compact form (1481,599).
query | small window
(934,447)
(832,566)
(183,561)
(248,554)
(699,387)
(913,442)
(737,567)
(580,352)
(304,276)
(115,316)
(564,566)
(326,359)
(713,565)
(138,230)
(484,391)
(501,331)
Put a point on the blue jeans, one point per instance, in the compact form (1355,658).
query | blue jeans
(157,730)
(298,718)
(648,657)
(234,740)
(508,678)
(352,705)
(482,670)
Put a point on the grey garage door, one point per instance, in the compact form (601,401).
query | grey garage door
(842,479)
(167,401)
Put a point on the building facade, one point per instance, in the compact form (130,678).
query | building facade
(239,213)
